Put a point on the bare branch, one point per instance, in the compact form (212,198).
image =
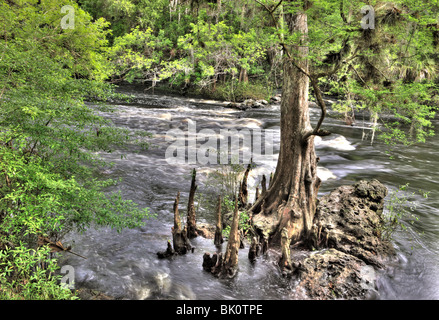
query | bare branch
(263,4)
(277,6)
(317,131)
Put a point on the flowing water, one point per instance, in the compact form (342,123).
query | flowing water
(125,265)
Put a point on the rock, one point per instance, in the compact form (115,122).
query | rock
(346,232)
(332,274)
(276,99)
(349,219)
(257,104)
(249,103)
(328,102)
(169,252)
(205,230)
(236,105)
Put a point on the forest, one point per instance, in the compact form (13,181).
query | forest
(70,69)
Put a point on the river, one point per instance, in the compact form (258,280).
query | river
(125,265)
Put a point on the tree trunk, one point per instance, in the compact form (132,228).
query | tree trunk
(226,266)
(243,75)
(191,220)
(218,13)
(233,244)
(180,242)
(243,190)
(179,234)
(290,201)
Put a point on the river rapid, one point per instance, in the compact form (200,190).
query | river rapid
(125,265)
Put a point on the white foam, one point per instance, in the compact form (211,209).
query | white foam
(338,143)
(325,174)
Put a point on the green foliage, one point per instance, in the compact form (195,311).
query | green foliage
(217,49)
(399,211)
(239,91)
(22,276)
(50,138)
(406,111)
(244,218)
(125,15)
(138,55)
(388,71)
(160,42)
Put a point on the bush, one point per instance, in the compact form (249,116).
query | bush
(50,142)
(399,211)
(239,91)
(27,274)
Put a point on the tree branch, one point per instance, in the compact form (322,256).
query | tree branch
(342,15)
(317,131)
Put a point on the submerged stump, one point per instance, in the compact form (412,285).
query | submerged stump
(191,220)
(181,244)
(226,266)
(243,189)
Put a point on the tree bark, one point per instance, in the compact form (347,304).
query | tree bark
(243,189)
(290,201)
(179,235)
(180,242)
(191,220)
(233,244)
(227,265)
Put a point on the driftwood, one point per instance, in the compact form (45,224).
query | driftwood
(56,246)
